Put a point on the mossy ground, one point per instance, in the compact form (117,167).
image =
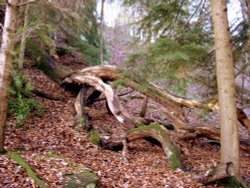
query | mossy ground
(31,173)
(82,178)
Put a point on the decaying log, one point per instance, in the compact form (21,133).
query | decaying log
(105,72)
(182,128)
(218,173)
(156,131)
(113,102)
(173,103)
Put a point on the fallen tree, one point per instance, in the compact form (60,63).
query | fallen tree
(172,103)
(74,80)
(90,82)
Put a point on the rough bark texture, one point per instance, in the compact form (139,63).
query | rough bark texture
(226,86)
(8,43)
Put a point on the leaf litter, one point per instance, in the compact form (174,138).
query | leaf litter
(55,133)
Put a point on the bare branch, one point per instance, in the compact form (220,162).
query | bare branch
(26,3)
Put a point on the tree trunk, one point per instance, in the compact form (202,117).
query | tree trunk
(23,38)
(6,58)
(226,86)
(101,32)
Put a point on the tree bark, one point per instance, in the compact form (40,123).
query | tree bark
(226,86)
(6,58)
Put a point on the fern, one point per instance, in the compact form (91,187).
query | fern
(20,105)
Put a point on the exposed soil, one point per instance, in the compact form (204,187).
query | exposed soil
(55,132)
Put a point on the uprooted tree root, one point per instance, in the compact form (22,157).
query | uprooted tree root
(93,81)
(155,131)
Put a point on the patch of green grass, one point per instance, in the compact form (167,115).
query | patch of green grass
(31,173)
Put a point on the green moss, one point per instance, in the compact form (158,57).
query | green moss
(31,173)
(174,157)
(233,182)
(94,137)
(84,179)
(150,127)
(173,153)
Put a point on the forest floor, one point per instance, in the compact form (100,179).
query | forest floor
(55,132)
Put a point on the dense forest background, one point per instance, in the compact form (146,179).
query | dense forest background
(85,84)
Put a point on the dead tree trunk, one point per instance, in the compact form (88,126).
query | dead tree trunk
(172,103)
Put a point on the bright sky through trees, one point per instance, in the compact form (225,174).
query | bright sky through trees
(114,10)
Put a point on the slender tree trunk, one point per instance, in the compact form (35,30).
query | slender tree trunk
(101,32)
(23,39)
(226,86)
(6,58)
